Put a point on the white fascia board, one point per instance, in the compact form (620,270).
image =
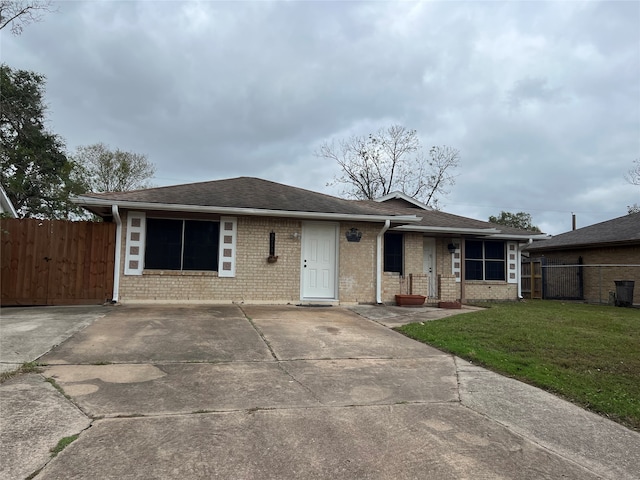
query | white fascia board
(448,230)
(99,202)
(521,238)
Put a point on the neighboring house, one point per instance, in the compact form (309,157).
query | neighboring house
(6,207)
(602,253)
(252,240)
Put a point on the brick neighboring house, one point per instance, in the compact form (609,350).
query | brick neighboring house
(251,240)
(608,251)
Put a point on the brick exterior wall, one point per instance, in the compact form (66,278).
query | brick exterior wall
(601,269)
(413,253)
(256,279)
(392,285)
(357,280)
(448,288)
(486,291)
(259,281)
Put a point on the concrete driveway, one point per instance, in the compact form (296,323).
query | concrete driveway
(256,392)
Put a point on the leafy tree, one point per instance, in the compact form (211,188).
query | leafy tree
(34,169)
(106,170)
(635,208)
(18,13)
(391,160)
(520,220)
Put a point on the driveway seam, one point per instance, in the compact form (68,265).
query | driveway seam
(252,410)
(275,356)
(259,332)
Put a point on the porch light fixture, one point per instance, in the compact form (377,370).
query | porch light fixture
(353,235)
(452,247)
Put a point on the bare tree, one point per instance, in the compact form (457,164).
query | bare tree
(391,160)
(104,170)
(18,13)
(633,175)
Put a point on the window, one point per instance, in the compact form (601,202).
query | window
(181,245)
(393,252)
(484,260)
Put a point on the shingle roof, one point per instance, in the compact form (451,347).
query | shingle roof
(242,192)
(621,230)
(256,193)
(438,218)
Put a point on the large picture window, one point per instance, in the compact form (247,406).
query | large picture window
(485,260)
(181,245)
(393,252)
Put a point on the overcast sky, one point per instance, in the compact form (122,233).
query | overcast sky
(541,98)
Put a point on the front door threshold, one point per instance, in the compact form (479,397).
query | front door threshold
(311,302)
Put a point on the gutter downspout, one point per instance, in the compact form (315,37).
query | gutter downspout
(116,267)
(387,224)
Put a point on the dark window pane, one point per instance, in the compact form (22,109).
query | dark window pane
(164,244)
(473,270)
(473,249)
(494,250)
(494,270)
(200,245)
(393,252)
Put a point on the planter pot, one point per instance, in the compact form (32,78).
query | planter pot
(449,305)
(410,300)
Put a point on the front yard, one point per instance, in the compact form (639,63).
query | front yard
(588,354)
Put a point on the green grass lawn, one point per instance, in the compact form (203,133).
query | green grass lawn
(588,354)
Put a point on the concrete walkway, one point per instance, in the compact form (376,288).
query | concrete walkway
(286,392)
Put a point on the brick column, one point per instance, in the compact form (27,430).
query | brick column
(447,288)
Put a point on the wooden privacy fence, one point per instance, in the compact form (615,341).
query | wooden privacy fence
(56,262)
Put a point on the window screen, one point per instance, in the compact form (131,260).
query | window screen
(181,245)
(484,260)
(200,245)
(164,244)
(393,252)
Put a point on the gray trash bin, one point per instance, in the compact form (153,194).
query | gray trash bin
(624,293)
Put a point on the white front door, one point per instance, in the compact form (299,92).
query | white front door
(429,264)
(319,270)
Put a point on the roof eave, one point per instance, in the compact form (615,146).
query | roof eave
(402,196)
(511,236)
(99,202)
(448,230)
(583,246)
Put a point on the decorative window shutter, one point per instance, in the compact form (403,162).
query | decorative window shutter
(512,262)
(227,248)
(134,253)
(456,261)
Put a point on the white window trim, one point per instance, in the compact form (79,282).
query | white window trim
(227,247)
(135,244)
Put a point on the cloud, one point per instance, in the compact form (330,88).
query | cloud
(541,98)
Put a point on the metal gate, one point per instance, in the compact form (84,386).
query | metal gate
(553,279)
(562,280)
